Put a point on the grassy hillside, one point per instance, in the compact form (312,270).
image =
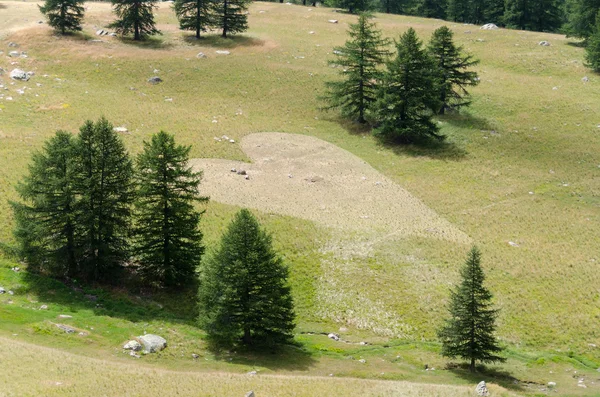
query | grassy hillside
(521,165)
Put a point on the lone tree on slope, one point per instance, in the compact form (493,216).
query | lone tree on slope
(231,16)
(451,65)
(64,15)
(469,332)
(197,15)
(135,16)
(168,242)
(244,296)
(359,58)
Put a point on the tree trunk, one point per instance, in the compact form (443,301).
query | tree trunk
(472,365)
(136,35)
(303,2)
(225,19)
(197,20)
(247,338)
(314,3)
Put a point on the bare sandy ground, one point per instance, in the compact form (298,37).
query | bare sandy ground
(308,178)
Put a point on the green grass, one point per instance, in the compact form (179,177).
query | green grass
(545,142)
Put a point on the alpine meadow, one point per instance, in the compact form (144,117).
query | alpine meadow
(235,198)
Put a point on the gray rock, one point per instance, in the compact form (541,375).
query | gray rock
(100,32)
(481,389)
(112,34)
(119,129)
(242,172)
(155,80)
(252,373)
(11,293)
(201,55)
(133,345)
(585,79)
(18,74)
(66,328)
(152,343)
(44,307)
(222,52)
(2,290)
(489,26)
(11,44)
(64,316)
(551,384)
(333,336)
(14,54)
(250,394)
(333,21)
(362,360)
(195,356)
(544,43)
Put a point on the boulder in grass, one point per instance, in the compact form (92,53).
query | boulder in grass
(544,43)
(133,345)
(481,389)
(155,80)
(489,26)
(152,343)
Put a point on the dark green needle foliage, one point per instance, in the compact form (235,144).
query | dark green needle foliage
(135,16)
(537,15)
(404,109)
(469,332)
(45,226)
(196,15)
(359,59)
(432,9)
(168,241)
(592,50)
(64,15)
(103,184)
(244,297)
(453,78)
(582,18)
(475,11)
(352,6)
(231,16)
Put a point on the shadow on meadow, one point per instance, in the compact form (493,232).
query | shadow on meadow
(290,357)
(150,43)
(434,149)
(218,41)
(491,374)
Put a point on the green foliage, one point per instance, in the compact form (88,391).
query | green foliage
(102,182)
(404,108)
(397,6)
(359,59)
(64,15)
(537,15)
(45,230)
(352,6)
(432,9)
(469,332)
(168,242)
(451,65)
(592,50)
(475,11)
(135,16)
(244,296)
(231,16)
(582,17)
(196,15)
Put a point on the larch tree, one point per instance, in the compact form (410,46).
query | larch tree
(168,243)
(103,183)
(432,9)
(196,15)
(135,16)
(469,332)
(244,295)
(592,50)
(231,16)
(451,66)
(537,15)
(359,58)
(405,104)
(45,228)
(582,18)
(64,15)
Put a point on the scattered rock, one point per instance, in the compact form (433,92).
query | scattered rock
(44,307)
(15,269)
(250,394)
(11,292)
(222,52)
(201,55)
(233,170)
(100,32)
(585,79)
(513,244)
(134,355)
(155,80)
(66,328)
(480,40)
(554,88)
(195,356)
(252,373)
(311,32)
(14,54)
(481,389)
(11,44)
(336,52)
(242,172)
(64,316)
(333,21)
(153,343)
(489,26)
(247,177)
(40,22)
(18,74)
(2,290)
(232,141)
(362,360)
(544,43)
(120,129)
(133,345)
(333,336)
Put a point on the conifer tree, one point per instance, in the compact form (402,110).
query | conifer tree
(168,242)
(404,108)
(135,16)
(592,50)
(353,6)
(102,181)
(359,58)
(582,18)
(469,332)
(537,15)
(45,219)
(451,65)
(460,11)
(432,9)
(475,11)
(244,296)
(196,15)
(64,15)
(231,16)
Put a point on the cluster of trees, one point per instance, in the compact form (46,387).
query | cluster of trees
(137,16)
(417,83)
(87,211)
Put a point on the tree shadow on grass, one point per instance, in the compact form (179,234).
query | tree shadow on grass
(218,41)
(177,306)
(290,357)
(434,149)
(467,120)
(491,374)
(151,42)
(578,44)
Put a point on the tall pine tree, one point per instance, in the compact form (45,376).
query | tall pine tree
(469,332)
(168,241)
(432,9)
(135,16)
(451,66)
(475,11)
(592,50)
(244,296)
(582,18)
(45,228)
(196,15)
(537,15)
(64,15)
(407,97)
(359,58)
(231,16)
(103,183)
